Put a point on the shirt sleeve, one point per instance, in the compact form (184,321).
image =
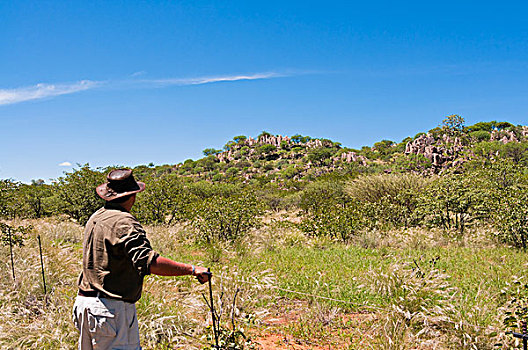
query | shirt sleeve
(137,246)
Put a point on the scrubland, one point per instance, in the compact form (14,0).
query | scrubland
(419,244)
(403,289)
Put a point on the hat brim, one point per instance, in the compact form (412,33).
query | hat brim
(108,194)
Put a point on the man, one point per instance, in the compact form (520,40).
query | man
(116,257)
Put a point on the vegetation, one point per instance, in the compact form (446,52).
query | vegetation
(419,243)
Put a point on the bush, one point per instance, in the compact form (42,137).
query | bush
(318,155)
(164,201)
(455,201)
(375,187)
(35,200)
(9,207)
(321,193)
(389,199)
(204,190)
(480,135)
(511,218)
(266,148)
(226,219)
(333,221)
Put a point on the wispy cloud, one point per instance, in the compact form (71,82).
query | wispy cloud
(137,74)
(65,164)
(213,79)
(41,91)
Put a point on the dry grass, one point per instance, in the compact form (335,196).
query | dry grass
(424,309)
(29,318)
(172,311)
(373,188)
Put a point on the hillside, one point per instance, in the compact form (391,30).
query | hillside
(277,158)
(419,242)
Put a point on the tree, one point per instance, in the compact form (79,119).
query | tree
(512,217)
(333,221)
(211,152)
(454,201)
(229,145)
(76,194)
(240,139)
(385,148)
(164,201)
(508,184)
(8,204)
(266,148)
(35,199)
(296,138)
(482,126)
(263,134)
(480,135)
(318,155)
(227,219)
(453,124)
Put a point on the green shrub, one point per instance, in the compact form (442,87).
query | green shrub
(511,218)
(373,188)
(333,221)
(388,200)
(8,205)
(318,155)
(480,135)
(35,200)
(232,171)
(323,193)
(266,148)
(455,201)
(226,219)
(164,201)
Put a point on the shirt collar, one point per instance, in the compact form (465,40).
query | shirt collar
(114,206)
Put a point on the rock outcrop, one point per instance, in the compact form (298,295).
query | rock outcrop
(440,153)
(504,136)
(351,157)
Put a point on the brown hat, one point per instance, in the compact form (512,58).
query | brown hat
(120,183)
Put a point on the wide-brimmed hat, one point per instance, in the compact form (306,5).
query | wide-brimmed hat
(120,183)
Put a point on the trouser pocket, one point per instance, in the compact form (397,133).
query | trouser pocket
(101,322)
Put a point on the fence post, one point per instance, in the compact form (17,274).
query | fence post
(11,251)
(42,266)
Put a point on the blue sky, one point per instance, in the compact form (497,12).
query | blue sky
(133,82)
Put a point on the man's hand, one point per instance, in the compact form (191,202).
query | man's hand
(202,274)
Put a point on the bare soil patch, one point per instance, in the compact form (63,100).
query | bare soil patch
(293,326)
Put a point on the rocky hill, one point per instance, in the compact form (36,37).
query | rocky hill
(283,159)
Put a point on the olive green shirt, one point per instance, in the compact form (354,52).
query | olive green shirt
(116,254)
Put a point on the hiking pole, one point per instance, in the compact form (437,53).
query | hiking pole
(522,335)
(212,310)
(524,338)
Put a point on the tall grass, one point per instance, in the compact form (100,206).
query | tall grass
(453,300)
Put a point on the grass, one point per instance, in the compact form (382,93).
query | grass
(276,258)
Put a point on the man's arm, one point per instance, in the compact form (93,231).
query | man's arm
(167,267)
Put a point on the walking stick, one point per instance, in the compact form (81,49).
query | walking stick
(522,335)
(212,311)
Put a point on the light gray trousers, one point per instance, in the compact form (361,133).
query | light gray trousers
(106,324)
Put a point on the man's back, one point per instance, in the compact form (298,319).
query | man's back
(116,254)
